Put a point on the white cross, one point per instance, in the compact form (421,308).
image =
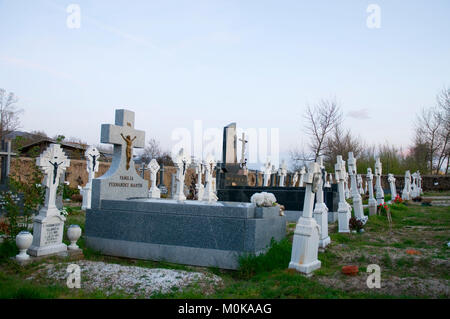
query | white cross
(124,137)
(52,162)
(92,155)
(244,141)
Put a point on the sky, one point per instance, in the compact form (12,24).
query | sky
(256,63)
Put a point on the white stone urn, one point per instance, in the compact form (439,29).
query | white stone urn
(23,241)
(73,234)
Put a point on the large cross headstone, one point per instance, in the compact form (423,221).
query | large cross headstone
(154,191)
(379,189)
(306,235)
(92,155)
(344,213)
(48,225)
(357,200)
(321,210)
(121,181)
(372,200)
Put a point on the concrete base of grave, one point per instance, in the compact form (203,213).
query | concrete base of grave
(372,207)
(47,233)
(190,232)
(343,218)
(71,254)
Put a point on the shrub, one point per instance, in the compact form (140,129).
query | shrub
(398,200)
(383,209)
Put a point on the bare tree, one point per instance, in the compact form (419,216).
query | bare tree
(154,150)
(9,113)
(342,142)
(321,120)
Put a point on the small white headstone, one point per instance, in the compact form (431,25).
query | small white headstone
(344,212)
(182,162)
(209,193)
(154,191)
(92,155)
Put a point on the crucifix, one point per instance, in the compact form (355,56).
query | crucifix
(181,162)
(244,141)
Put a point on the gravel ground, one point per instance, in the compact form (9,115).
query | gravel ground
(132,280)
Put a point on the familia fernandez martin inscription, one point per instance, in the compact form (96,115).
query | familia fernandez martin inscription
(121,181)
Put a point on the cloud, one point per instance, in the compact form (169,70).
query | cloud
(361,114)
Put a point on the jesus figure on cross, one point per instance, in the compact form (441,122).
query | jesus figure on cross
(129,142)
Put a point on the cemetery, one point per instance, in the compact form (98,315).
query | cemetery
(300,230)
(224,150)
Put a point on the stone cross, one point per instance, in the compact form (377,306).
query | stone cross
(244,141)
(406,193)
(267,171)
(347,191)
(142,169)
(414,186)
(154,167)
(295,179)
(372,201)
(391,180)
(306,235)
(121,181)
(92,156)
(360,184)
(282,172)
(209,193)
(343,207)
(357,200)
(302,174)
(378,188)
(48,225)
(182,162)
(321,210)
(199,170)
(5,154)
(326,179)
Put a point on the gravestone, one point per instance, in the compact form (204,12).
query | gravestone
(321,210)
(5,154)
(182,161)
(92,155)
(162,187)
(142,170)
(306,235)
(199,187)
(121,181)
(235,174)
(372,200)
(48,225)
(406,193)
(391,180)
(378,188)
(347,190)
(360,184)
(154,191)
(282,172)
(357,200)
(210,192)
(295,179)
(344,212)
(302,174)
(267,171)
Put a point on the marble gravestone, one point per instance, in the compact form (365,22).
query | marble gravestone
(379,190)
(414,186)
(48,225)
(360,184)
(282,172)
(182,162)
(344,212)
(5,154)
(372,200)
(302,174)
(92,155)
(406,193)
(295,179)
(391,180)
(321,210)
(357,200)
(305,245)
(154,191)
(199,187)
(235,174)
(267,171)
(209,194)
(121,181)
(347,190)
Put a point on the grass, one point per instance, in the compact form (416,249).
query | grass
(426,229)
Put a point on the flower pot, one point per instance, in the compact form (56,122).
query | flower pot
(23,241)
(73,234)
(350,270)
